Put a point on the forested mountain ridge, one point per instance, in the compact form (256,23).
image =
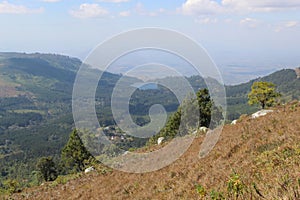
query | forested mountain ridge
(35,109)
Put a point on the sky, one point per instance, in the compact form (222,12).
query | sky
(246,37)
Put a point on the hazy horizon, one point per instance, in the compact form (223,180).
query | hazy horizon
(242,37)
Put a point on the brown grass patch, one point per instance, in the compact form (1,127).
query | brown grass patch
(7,89)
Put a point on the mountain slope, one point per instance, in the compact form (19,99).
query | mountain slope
(259,155)
(35,111)
(35,116)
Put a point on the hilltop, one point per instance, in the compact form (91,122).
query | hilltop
(260,156)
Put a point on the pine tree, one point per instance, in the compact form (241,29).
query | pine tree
(75,156)
(205,107)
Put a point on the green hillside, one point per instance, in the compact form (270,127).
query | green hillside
(286,82)
(36,116)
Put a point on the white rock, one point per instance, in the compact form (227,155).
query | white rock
(160,140)
(261,113)
(203,129)
(234,122)
(88,170)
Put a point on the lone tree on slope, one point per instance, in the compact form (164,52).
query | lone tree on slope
(263,93)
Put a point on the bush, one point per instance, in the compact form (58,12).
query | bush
(200,190)
(11,186)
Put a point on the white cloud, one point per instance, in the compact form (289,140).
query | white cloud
(8,8)
(206,20)
(201,7)
(204,7)
(114,1)
(286,25)
(140,9)
(51,1)
(125,14)
(89,11)
(246,6)
(291,24)
(249,22)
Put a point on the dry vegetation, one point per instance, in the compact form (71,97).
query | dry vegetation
(7,89)
(254,159)
(297,70)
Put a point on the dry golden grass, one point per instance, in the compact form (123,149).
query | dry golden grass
(8,89)
(264,152)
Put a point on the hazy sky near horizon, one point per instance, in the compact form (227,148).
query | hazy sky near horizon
(256,34)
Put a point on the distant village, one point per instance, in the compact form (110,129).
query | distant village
(115,134)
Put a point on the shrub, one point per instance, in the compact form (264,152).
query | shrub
(215,195)
(200,190)
(235,186)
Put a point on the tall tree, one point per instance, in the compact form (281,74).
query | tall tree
(184,119)
(74,155)
(205,107)
(263,93)
(47,168)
